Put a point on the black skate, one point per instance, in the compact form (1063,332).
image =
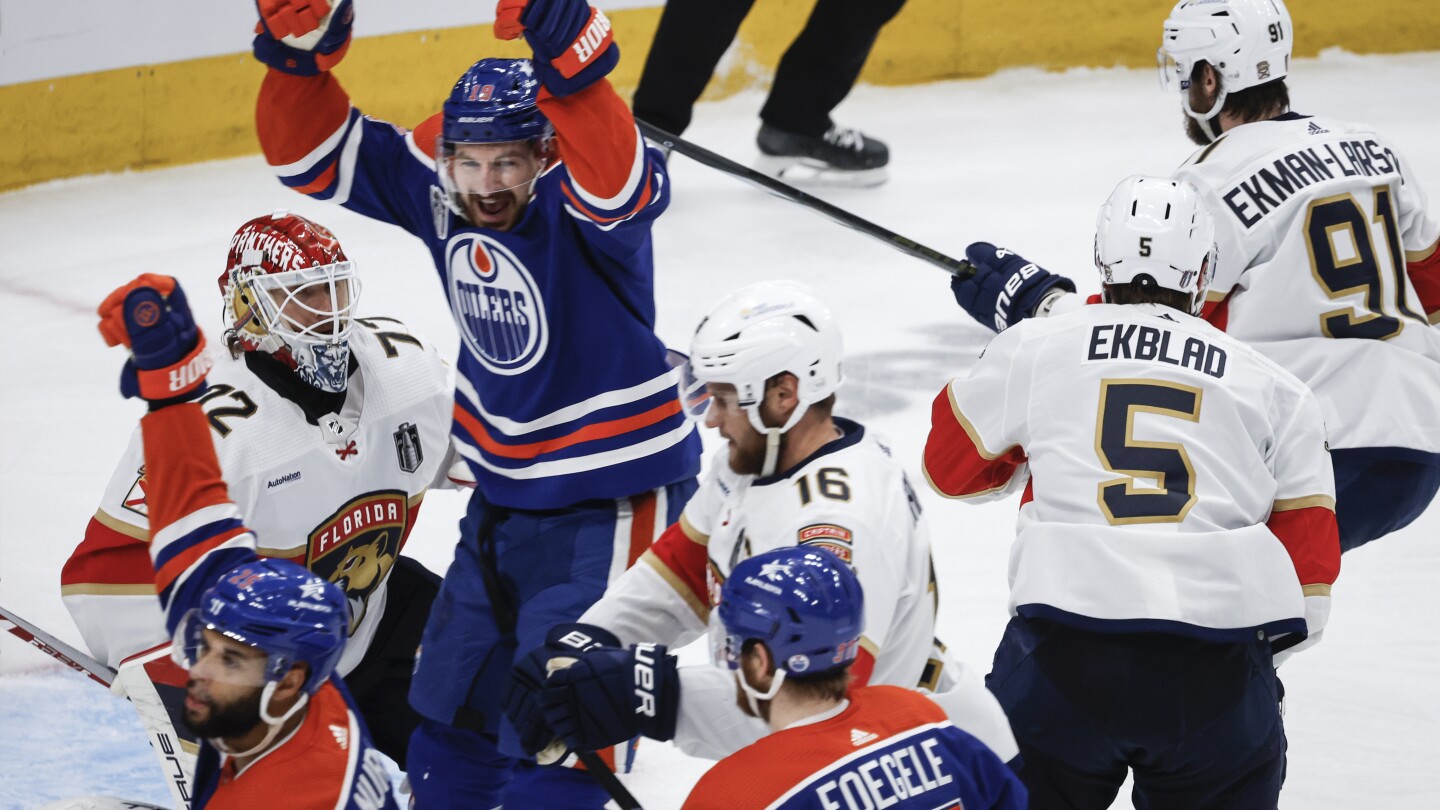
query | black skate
(844,157)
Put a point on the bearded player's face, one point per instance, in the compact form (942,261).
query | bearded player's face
(221,698)
(494,180)
(747,445)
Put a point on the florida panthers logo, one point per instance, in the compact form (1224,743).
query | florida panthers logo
(496,304)
(356,547)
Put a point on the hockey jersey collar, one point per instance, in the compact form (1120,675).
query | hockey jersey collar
(313,402)
(854,432)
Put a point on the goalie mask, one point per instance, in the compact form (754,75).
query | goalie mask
(494,102)
(1155,230)
(290,292)
(756,333)
(1248,42)
(279,608)
(804,604)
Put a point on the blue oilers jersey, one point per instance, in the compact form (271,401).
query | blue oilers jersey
(563,392)
(884,747)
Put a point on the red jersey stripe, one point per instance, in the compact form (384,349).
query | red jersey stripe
(642,526)
(955,463)
(1312,538)
(592,432)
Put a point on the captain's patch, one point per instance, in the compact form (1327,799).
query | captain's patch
(832,538)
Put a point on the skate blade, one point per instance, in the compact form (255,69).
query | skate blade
(809,172)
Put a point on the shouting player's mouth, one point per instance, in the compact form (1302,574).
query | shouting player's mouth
(499,210)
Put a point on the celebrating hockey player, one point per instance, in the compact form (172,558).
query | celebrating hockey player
(1165,551)
(769,358)
(330,429)
(788,627)
(1327,256)
(260,638)
(535,194)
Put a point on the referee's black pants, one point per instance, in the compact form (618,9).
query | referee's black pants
(814,75)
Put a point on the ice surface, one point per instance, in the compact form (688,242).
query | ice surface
(1022,158)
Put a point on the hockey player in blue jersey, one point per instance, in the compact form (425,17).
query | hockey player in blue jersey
(535,194)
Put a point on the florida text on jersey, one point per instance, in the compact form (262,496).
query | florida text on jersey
(339,496)
(564,394)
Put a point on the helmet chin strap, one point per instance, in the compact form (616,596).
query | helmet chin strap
(275,723)
(772,451)
(753,696)
(1207,120)
(773,435)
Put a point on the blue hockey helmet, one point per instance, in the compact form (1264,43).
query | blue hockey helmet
(495,101)
(805,604)
(277,607)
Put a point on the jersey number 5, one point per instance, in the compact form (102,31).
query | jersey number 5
(1344,262)
(1121,500)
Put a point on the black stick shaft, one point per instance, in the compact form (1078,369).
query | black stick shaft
(835,214)
(608,780)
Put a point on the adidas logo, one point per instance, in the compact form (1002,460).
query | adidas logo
(1315,129)
(342,737)
(859,738)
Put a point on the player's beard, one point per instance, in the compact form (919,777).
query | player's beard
(747,453)
(224,721)
(1195,132)
(511,207)
(1199,101)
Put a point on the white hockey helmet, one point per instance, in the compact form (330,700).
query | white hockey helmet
(1248,42)
(763,330)
(1156,228)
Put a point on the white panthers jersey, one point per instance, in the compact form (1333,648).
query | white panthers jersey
(1315,221)
(338,497)
(851,498)
(1154,450)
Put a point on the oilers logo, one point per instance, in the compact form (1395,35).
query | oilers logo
(496,303)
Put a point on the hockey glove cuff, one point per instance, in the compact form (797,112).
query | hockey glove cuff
(573,44)
(608,696)
(521,697)
(168,362)
(1005,288)
(301,37)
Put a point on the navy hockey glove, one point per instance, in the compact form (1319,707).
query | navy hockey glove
(521,698)
(1005,288)
(302,37)
(609,696)
(573,44)
(168,361)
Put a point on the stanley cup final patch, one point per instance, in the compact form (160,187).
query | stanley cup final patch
(834,539)
(407,447)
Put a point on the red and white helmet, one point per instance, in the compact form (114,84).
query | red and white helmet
(289,291)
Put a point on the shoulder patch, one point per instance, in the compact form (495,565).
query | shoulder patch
(135,497)
(837,540)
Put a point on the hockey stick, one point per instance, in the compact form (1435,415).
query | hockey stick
(703,156)
(608,780)
(57,649)
(165,742)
